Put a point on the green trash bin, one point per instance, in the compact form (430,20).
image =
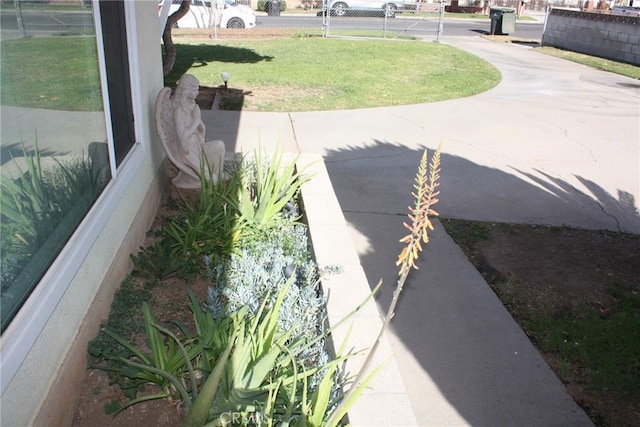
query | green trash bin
(503,20)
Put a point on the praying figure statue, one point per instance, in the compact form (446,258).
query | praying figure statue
(182,135)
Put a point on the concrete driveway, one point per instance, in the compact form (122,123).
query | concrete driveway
(554,143)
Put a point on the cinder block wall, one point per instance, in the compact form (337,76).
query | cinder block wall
(608,36)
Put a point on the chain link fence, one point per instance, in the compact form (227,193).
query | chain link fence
(394,19)
(34,19)
(383,19)
(388,19)
(404,19)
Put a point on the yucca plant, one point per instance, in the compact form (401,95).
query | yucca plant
(35,205)
(209,226)
(269,187)
(254,367)
(38,200)
(169,365)
(29,201)
(255,196)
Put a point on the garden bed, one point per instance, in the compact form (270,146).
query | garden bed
(385,399)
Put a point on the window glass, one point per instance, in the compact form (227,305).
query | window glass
(54,158)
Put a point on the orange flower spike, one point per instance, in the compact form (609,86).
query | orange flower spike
(426,183)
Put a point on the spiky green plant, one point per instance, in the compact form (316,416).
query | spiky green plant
(28,201)
(175,361)
(263,377)
(269,186)
(39,210)
(169,364)
(208,226)
(252,365)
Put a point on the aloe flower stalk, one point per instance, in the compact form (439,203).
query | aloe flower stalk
(425,195)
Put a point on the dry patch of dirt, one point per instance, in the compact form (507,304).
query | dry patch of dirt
(268,98)
(98,392)
(574,266)
(169,303)
(206,97)
(256,98)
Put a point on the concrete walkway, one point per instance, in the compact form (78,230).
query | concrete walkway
(554,143)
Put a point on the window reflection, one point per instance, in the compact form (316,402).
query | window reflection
(54,159)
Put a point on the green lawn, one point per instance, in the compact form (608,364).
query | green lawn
(594,61)
(299,73)
(284,74)
(55,73)
(308,73)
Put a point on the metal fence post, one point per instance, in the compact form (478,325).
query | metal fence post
(547,11)
(21,26)
(440,23)
(325,18)
(384,29)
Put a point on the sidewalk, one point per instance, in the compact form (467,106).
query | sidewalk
(554,143)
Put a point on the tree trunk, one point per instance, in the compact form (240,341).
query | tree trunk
(169,47)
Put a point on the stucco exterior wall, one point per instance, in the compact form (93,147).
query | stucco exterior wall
(608,36)
(45,388)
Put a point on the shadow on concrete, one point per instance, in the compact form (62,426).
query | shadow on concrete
(475,192)
(457,334)
(620,209)
(631,85)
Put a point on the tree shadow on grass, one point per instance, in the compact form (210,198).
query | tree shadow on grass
(463,358)
(193,56)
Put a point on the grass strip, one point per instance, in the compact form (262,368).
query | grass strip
(604,64)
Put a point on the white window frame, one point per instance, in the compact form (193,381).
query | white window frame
(23,331)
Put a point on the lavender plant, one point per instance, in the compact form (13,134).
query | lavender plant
(260,268)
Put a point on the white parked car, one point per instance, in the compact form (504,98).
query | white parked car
(224,13)
(375,7)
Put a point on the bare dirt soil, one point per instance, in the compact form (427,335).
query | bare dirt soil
(168,303)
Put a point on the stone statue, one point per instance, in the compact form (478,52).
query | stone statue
(182,133)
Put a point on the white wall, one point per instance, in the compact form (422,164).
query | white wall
(44,389)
